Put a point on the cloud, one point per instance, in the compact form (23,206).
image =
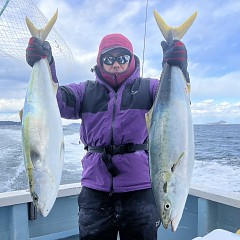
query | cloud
(209,111)
(217,87)
(211,42)
(11,105)
(227,10)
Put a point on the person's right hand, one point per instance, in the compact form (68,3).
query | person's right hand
(37,50)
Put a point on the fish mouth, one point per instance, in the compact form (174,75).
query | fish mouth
(165,222)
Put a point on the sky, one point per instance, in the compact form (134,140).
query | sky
(212,42)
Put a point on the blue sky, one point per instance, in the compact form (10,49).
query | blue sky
(212,42)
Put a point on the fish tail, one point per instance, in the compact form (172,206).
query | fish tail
(171,33)
(41,33)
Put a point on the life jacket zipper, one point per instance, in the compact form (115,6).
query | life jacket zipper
(112,133)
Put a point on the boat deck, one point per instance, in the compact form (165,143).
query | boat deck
(205,210)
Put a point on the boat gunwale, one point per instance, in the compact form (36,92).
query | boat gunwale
(212,194)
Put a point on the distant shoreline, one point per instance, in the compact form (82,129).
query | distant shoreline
(9,123)
(13,123)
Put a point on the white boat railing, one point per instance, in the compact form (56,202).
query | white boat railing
(208,193)
(23,196)
(216,195)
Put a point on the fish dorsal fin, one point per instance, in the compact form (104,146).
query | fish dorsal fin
(55,87)
(171,33)
(41,33)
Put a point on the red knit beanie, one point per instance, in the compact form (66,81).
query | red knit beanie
(110,42)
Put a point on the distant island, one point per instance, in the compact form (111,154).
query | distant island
(221,122)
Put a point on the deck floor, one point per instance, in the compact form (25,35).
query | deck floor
(75,237)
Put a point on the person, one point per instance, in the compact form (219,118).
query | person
(116,194)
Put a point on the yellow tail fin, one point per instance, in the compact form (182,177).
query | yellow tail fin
(171,33)
(43,32)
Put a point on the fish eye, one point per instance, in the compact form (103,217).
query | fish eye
(167,206)
(35,197)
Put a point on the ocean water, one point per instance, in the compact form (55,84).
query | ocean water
(12,169)
(217,157)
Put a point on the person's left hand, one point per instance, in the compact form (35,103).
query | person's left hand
(175,54)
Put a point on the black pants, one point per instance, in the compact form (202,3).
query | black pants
(133,214)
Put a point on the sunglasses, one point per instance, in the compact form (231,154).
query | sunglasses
(120,59)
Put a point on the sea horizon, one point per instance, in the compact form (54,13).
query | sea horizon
(220,122)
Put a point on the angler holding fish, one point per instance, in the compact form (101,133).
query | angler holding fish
(116,193)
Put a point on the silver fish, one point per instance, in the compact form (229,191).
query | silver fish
(171,138)
(42,132)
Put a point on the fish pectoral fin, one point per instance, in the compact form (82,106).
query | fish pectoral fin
(21,114)
(171,33)
(188,87)
(55,87)
(43,32)
(177,162)
(148,118)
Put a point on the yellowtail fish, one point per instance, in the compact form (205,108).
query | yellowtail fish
(42,132)
(171,139)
